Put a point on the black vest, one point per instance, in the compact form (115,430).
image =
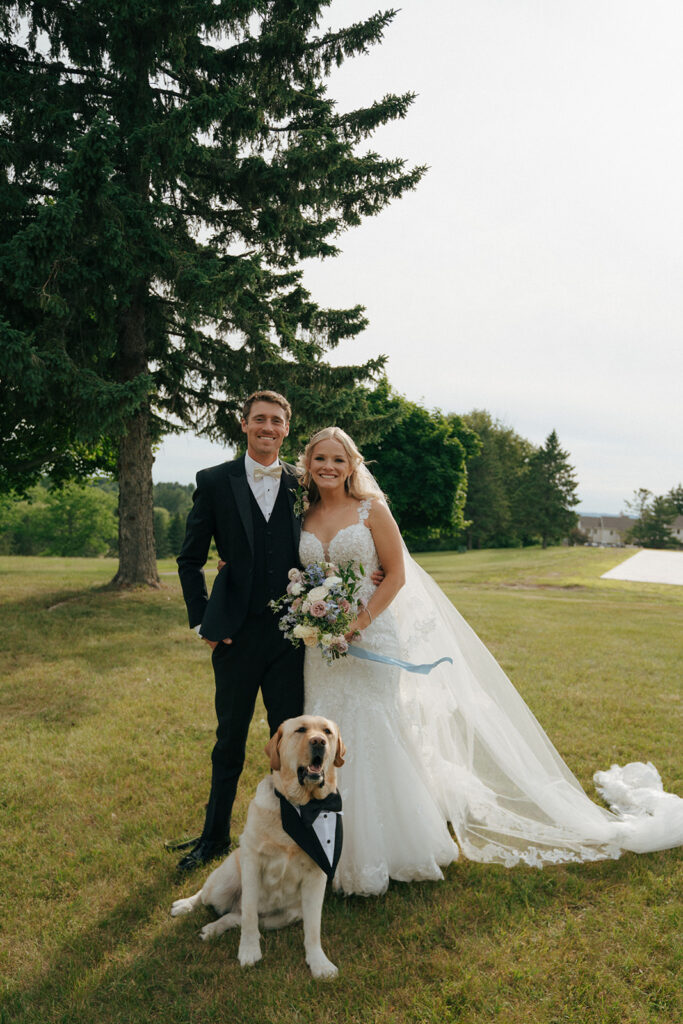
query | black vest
(274,551)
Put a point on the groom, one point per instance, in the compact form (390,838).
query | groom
(247,506)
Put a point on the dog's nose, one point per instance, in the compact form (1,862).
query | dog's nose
(318,742)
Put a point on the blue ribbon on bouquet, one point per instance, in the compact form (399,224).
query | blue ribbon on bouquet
(360,652)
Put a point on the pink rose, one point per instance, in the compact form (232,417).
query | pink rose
(296,604)
(318,609)
(344,605)
(341,643)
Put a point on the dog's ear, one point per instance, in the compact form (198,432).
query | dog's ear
(341,752)
(273,749)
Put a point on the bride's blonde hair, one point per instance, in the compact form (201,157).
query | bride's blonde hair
(359,484)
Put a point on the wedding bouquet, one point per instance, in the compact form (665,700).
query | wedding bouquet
(319,606)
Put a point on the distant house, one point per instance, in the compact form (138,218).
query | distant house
(677,529)
(607,530)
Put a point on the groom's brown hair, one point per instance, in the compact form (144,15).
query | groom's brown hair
(267,396)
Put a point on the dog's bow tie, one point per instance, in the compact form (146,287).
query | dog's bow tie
(274,471)
(310,811)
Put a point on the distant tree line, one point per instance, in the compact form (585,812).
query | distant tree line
(172,502)
(517,494)
(75,520)
(452,482)
(81,520)
(655,516)
(421,464)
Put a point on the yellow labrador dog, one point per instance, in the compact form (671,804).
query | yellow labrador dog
(270,880)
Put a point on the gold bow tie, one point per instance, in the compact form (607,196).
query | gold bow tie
(274,471)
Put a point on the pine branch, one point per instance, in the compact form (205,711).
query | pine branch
(19,57)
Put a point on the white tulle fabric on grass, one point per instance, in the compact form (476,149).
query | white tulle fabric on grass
(459,746)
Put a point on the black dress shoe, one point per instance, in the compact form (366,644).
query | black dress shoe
(205,851)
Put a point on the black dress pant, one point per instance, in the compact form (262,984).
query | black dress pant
(258,657)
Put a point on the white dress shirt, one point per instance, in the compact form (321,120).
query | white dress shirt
(325,827)
(264,490)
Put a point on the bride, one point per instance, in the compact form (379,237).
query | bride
(458,745)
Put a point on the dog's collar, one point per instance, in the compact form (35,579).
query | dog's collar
(321,840)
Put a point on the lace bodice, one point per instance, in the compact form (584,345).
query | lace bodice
(352,543)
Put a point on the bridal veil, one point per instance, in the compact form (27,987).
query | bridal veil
(498,779)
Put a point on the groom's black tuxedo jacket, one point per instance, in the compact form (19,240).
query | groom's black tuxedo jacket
(223,508)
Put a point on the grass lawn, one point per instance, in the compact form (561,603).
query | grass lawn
(106,704)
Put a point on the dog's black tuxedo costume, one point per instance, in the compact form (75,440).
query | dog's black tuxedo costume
(299,822)
(258,555)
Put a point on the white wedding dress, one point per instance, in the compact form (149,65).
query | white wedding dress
(458,745)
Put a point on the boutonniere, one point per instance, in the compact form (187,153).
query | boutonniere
(302,502)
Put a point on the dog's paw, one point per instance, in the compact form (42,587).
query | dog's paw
(210,931)
(249,954)
(321,967)
(181,907)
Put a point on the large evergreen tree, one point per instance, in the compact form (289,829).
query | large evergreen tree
(549,492)
(164,168)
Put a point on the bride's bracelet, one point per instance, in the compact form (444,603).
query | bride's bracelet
(366,609)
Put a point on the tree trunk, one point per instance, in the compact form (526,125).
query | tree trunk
(137,555)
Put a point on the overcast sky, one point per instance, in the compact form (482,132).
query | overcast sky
(537,271)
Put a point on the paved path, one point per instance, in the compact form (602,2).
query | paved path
(650,566)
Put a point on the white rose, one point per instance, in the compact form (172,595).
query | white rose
(332,581)
(317,594)
(309,634)
(294,575)
(295,589)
